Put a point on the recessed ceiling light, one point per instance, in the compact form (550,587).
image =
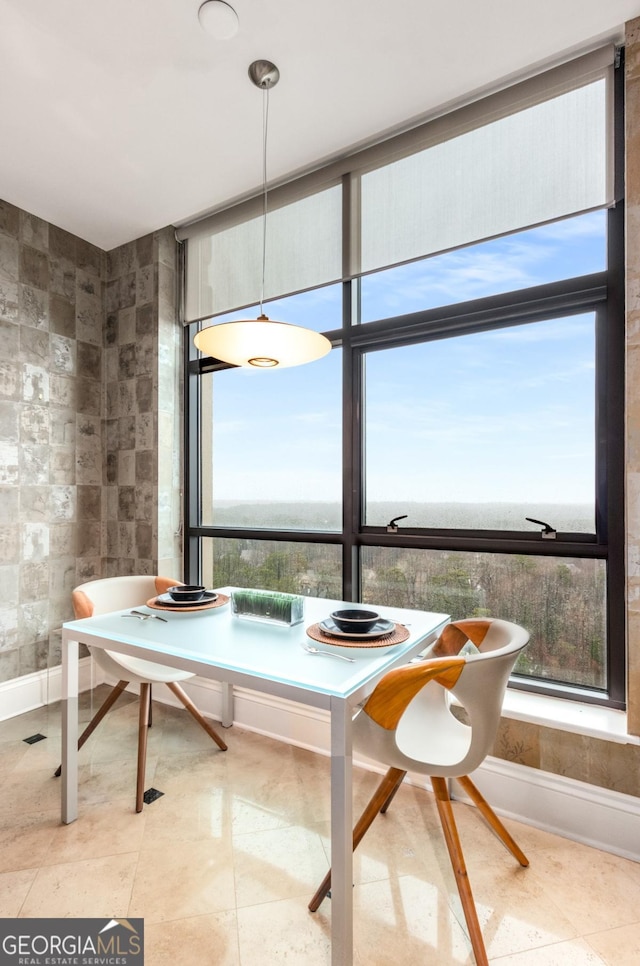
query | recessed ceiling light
(219,19)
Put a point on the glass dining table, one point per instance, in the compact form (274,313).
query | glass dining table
(265,657)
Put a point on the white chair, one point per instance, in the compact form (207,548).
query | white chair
(407,723)
(118,593)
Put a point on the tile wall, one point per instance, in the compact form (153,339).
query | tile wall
(51,322)
(89,459)
(142,408)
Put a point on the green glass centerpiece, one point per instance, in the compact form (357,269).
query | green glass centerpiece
(268,605)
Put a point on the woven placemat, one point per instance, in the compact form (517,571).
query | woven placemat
(220,601)
(399,634)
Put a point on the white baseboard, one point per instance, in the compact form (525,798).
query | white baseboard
(595,816)
(41,688)
(598,817)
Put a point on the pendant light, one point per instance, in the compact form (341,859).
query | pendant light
(262,343)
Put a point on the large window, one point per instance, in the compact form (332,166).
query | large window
(468,274)
(561,601)
(485,429)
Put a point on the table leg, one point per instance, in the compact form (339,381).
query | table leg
(227,704)
(69,730)
(341,835)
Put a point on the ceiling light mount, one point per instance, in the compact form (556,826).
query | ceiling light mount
(218,19)
(264,74)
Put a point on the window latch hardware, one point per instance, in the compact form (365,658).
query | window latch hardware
(548,533)
(392,525)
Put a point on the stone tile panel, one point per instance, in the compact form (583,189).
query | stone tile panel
(62,465)
(35,347)
(9,504)
(9,463)
(89,360)
(62,503)
(62,539)
(8,300)
(8,629)
(63,392)
(10,543)
(9,219)
(62,278)
(33,463)
(63,354)
(89,505)
(90,258)
(34,505)
(34,581)
(35,540)
(9,258)
(62,316)
(33,267)
(89,396)
(144,251)
(9,575)
(62,425)
(10,335)
(34,232)
(89,317)
(62,244)
(34,424)
(145,395)
(35,384)
(126,322)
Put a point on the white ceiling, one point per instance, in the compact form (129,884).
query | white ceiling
(121,117)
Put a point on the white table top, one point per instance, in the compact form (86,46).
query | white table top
(262,655)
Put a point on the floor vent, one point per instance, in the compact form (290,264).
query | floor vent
(150,795)
(32,739)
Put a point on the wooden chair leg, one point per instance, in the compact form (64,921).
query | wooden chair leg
(150,718)
(191,708)
(452,839)
(106,706)
(143,718)
(392,794)
(492,819)
(383,794)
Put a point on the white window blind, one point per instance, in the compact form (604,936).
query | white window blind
(532,153)
(534,166)
(303,250)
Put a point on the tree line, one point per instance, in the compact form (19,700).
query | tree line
(560,602)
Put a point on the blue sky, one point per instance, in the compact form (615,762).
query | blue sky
(499,416)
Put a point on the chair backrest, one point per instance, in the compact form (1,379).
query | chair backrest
(119,593)
(408,721)
(116,593)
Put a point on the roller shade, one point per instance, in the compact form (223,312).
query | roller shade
(529,154)
(537,165)
(224,266)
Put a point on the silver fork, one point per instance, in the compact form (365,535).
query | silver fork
(141,616)
(316,650)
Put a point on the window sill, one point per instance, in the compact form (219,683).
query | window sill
(607,724)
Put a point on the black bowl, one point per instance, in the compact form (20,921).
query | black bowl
(187,592)
(355,621)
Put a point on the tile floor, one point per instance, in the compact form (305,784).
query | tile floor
(222,866)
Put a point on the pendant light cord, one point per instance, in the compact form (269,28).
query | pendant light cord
(265,127)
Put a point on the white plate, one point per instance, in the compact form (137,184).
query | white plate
(379,629)
(167,600)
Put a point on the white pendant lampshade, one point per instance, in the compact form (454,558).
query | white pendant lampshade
(262,343)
